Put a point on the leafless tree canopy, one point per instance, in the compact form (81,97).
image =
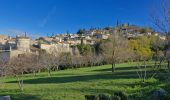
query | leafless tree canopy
(116,49)
(160,16)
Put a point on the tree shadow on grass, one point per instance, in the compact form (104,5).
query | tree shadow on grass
(131,74)
(24,97)
(120,69)
(84,78)
(117,68)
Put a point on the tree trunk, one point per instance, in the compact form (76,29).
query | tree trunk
(34,72)
(49,72)
(168,64)
(145,69)
(3,79)
(57,67)
(20,83)
(155,64)
(39,71)
(168,67)
(113,67)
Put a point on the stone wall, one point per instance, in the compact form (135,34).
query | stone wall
(5,55)
(55,48)
(16,53)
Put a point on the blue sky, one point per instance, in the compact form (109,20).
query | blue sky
(58,16)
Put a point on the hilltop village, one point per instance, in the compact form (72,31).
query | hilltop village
(16,46)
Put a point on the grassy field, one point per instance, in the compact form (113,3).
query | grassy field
(74,84)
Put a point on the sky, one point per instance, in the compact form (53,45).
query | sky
(42,17)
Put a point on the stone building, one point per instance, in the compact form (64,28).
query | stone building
(21,46)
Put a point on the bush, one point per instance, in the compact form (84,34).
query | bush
(98,97)
(104,97)
(91,97)
(115,96)
(122,95)
(160,94)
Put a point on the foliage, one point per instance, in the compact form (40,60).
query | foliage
(115,97)
(145,30)
(84,49)
(104,97)
(109,28)
(121,95)
(81,32)
(142,47)
(92,97)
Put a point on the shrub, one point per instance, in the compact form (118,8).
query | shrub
(122,95)
(104,97)
(115,97)
(98,97)
(91,97)
(160,94)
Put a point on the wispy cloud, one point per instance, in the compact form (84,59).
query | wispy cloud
(15,32)
(47,17)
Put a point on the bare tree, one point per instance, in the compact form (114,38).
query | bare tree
(95,60)
(76,61)
(17,66)
(3,69)
(49,62)
(116,49)
(3,64)
(161,18)
(34,63)
(142,71)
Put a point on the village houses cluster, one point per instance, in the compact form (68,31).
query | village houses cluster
(16,46)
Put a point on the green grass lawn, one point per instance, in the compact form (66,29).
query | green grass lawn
(74,84)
